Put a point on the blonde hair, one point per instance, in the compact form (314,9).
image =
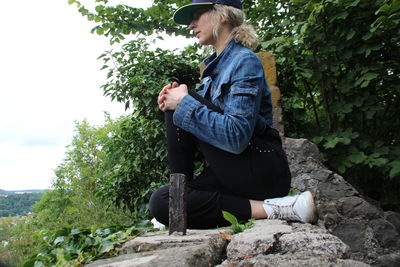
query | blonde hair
(241,31)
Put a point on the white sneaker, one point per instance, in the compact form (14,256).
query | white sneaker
(157,224)
(292,208)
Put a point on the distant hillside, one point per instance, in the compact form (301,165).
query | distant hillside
(21,191)
(17,203)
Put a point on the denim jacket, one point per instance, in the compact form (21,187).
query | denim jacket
(238,86)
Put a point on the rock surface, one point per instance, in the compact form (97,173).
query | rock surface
(372,235)
(278,243)
(196,248)
(267,243)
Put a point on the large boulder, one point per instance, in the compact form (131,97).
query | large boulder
(278,243)
(371,234)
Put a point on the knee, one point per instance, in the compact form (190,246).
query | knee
(159,205)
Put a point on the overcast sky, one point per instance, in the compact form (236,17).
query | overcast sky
(49,78)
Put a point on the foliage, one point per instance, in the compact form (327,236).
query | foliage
(75,247)
(28,245)
(76,181)
(16,243)
(136,149)
(18,204)
(118,21)
(72,204)
(293,191)
(339,67)
(235,225)
(136,165)
(137,74)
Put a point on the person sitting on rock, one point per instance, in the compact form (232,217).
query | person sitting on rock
(229,120)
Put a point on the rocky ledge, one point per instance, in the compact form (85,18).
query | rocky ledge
(267,243)
(196,248)
(371,234)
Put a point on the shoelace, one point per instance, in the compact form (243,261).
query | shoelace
(283,212)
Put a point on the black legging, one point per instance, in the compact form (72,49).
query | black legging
(228,181)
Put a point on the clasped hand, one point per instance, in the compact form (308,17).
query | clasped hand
(171,95)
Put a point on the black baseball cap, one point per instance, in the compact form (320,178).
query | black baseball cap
(184,15)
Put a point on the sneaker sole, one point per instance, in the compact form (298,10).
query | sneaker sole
(313,216)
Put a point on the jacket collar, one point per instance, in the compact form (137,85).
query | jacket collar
(212,62)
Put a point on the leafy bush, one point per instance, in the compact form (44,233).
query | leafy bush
(136,150)
(339,71)
(75,247)
(76,181)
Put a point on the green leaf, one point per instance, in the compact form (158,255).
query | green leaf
(367,36)
(99,8)
(339,16)
(30,262)
(342,169)
(70,2)
(357,158)
(364,84)
(307,73)
(293,191)
(332,142)
(347,54)
(100,31)
(394,168)
(230,218)
(106,246)
(59,240)
(354,3)
(75,231)
(384,8)
(350,34)
(235,225)
(370,76)
(318,139)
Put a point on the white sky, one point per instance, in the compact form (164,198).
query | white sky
(49,78)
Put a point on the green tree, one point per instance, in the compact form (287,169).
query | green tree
(73,202)
(339,68)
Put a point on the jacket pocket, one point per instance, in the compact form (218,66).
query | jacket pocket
(243,99)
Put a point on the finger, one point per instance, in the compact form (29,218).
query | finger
(165,88)
(162,107)
(161,99)
(175,84)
